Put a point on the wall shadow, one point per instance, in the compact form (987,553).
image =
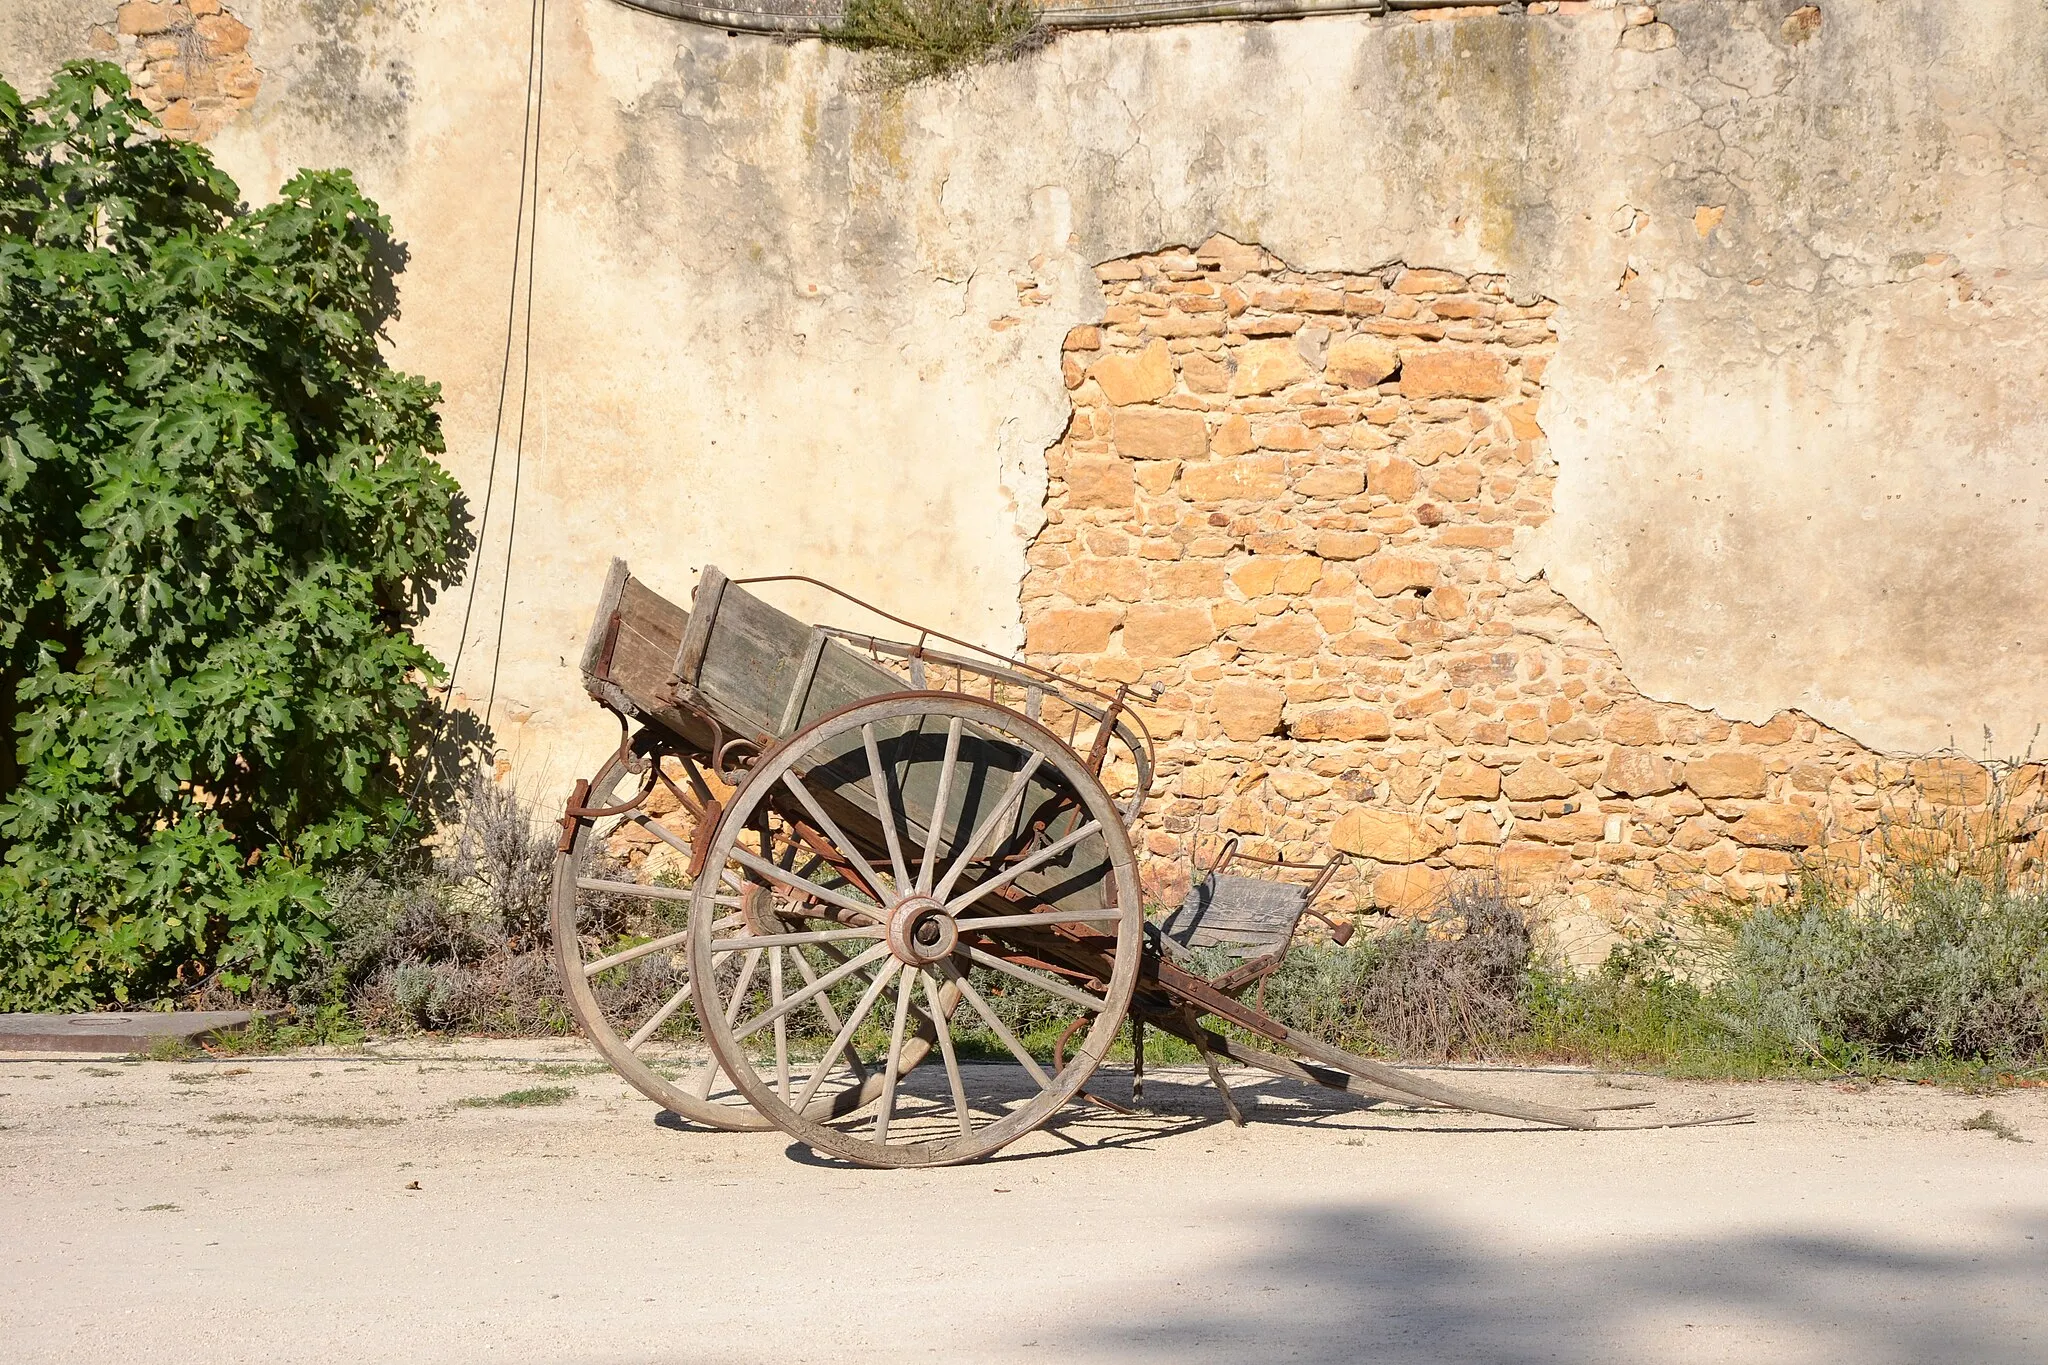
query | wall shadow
(1375,1282)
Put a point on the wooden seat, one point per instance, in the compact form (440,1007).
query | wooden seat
(1251,919)
(1242,915)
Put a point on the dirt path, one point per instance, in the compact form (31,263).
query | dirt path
(263,1210)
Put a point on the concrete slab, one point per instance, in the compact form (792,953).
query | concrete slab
(113,1033)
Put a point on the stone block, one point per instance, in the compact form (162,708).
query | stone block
(1126,378)
(1779,826)
(1233,435)
(1101,481)
(1633,723)
(140,18)
(1779,729)
(1267,366)
(1455,483)
(1331,481)
(1639,772)
(1536,780)
(1089,580)
(1429,282)
(1257,477)
(1391,575)
(1291,636)
(1410,890)
(1294,785)
(1724,775)
(1951,781)
(1524,862)
(1070,631)
(1389,836)
(1346,544)
(1580,827)
(1247,708)
(1159,434)
(1340,723)
(1360,362)
(1464,780)
(1393,478)
(1168,632)
(224,34)
(1453,373)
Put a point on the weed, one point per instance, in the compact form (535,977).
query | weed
(171,1050)
(97,1071)
(1988,1122)
(567,1068)
(341,1121)
(161,1208)
(919,40)
(519,1099)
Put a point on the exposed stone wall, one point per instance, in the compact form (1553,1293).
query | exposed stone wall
(189,61)
(1290,500)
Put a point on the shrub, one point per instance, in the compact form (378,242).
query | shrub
(920,40)
(220,517)
(1448,983)
(1942,965)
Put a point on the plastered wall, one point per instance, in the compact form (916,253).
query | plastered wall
(786,320)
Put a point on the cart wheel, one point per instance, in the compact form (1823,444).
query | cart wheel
(1024,902)
(619,951)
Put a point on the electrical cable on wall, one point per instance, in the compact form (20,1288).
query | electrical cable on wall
(522,234)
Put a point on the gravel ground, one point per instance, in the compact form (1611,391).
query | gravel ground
(321,1206)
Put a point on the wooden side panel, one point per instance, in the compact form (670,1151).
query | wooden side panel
(843,676)
(600,627)
(753,655)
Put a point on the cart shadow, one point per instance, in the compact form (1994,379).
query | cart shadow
(1106,1117)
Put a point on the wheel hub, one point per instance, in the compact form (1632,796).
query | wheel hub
(921,931)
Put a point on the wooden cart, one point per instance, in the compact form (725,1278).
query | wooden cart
(877,850)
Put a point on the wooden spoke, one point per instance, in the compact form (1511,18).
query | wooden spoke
(698,787)
(879,776)
(1070,994)
(653,945)
(1034,701)
(701,1079)
(781,1025)
(917,673)
(823,983)
(831,1016)
(746,983)
(1005,810)
(877,883)
(807,939)
(755,863)
(845,1034)
(653,893)
(660,831)
(945,1031)
(906,981)
(934,831)
(659,1017)
(998,1027)
(1036,860)
(700,1085)
(1042,917)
